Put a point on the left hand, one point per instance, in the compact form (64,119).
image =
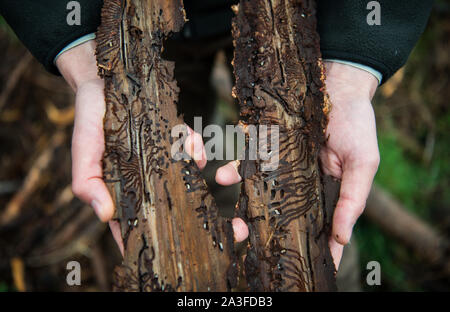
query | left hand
(79,68)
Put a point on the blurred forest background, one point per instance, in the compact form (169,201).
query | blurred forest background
(406,226)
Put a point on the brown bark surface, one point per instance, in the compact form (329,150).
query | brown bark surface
(173,237)
(280,81)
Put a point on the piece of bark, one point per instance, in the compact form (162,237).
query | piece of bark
(173,236)
(280,81)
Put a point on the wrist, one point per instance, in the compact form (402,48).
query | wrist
(356,81)
(79,64)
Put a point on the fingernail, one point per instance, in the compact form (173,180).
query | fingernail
(97,207)
(350,232)
(236,167)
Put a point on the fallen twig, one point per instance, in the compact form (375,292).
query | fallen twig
(32,179)
(14,78)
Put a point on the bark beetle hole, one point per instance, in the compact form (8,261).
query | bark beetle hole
(132,222)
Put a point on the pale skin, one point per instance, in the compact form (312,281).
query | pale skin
(350,154)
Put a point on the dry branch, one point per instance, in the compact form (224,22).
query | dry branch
(409,230)
(32,180)
(14,78)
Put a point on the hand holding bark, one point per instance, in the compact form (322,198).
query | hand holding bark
(351,152)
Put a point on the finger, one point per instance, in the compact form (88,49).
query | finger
(228,174)
(355,187)
(115,230)
(87,151)
(240,229)
(336,250)
(195,148)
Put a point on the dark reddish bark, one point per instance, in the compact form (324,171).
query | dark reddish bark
(280,81)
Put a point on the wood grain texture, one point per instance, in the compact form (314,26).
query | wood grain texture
(173,236)
(280,81)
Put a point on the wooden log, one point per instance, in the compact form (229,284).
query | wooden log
(280,82)
(173,236)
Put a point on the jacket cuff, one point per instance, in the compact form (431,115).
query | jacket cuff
(366,68)
(74,44)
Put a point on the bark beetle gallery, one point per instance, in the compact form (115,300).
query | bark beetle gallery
(173,235)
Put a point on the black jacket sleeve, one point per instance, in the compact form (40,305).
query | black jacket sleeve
(346,35)
(342,25)
(42,25)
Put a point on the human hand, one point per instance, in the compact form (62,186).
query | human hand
(350,154)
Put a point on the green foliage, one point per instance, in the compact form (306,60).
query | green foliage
(421,187)
(397,174)
(4,27)
(414,184)
(3,287)
(405,179)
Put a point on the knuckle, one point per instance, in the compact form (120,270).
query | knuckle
(371,161)
(374,161)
